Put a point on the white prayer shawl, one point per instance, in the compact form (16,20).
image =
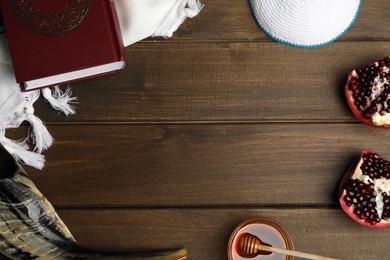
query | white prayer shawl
(138,19)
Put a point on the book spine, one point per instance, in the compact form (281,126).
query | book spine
(116,33)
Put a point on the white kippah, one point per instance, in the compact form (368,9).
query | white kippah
(305,23)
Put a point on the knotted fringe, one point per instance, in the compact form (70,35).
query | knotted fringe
(60,100)
(20,150)
(19,108)
(40,136)
(181,11)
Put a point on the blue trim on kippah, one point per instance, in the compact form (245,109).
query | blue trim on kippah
(302,45)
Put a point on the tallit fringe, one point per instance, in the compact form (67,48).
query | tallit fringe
(20,150)
(22,110)
(183,10)
(40,135)
(60,100)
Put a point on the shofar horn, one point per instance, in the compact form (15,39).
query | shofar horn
(31,229)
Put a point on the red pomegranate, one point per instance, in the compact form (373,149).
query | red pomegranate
(367,91)
(50,17)
(364,192)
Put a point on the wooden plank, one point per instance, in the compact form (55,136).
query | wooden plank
(223,82)
(232,21)
(206,165)
(205,232)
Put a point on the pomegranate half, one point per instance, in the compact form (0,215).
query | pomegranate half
(364,192)
(367,91)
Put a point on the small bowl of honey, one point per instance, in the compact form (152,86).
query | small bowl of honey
(269,231)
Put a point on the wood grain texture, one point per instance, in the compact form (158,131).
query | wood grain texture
(205,232)
(208,165)
(224,82)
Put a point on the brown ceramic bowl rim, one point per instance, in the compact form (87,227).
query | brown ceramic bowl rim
(267,221)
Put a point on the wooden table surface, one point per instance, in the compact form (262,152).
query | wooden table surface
(214,126)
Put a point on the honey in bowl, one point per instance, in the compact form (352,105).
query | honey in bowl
(268,231)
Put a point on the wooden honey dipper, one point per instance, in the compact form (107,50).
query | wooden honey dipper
(249,246)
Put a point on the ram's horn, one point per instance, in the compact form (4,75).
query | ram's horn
(31,229)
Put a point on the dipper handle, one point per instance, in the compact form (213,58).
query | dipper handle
(250,246)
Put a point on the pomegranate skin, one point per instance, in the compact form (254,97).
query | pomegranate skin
(367,92)
(352,177)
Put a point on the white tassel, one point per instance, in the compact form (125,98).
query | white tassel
(13,109)
(41,136)
(60,100)
(182,11)
(20,151)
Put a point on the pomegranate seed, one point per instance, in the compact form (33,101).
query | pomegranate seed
(364,92)
(361,193)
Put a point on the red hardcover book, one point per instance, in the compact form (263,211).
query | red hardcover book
(60,41)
